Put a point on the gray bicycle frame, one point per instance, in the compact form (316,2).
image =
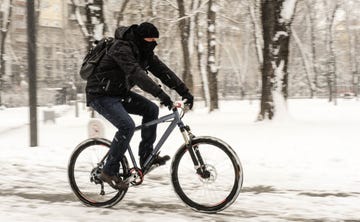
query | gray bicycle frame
(176,120)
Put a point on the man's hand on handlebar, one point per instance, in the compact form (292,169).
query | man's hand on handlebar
(181,105)
(186,103)
(188,99)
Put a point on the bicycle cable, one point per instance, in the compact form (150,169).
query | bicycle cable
(182,113)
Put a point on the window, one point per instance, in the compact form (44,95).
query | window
(47,52)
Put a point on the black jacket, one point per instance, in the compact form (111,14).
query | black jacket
(124,66)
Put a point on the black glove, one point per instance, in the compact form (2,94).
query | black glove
(189,99)
(165,100)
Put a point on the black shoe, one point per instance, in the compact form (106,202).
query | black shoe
(159,160)
(114,181)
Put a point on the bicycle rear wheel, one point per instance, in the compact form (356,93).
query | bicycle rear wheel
(84,169)
(219,187)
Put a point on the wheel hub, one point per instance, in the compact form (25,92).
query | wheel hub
(95,175)
(209,174)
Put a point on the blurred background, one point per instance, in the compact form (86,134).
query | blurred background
(322,32)
(301,168)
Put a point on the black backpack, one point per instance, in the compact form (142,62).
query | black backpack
(94,56)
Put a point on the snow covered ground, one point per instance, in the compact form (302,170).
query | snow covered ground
(303,167)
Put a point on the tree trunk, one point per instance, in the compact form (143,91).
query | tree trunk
(120,16)
(193,6)
(352,50)
(95,20)
(306,63)
(82,25)
(314,65)
(276,18)
(4,28)
(331,61)
(184,25)
(357,65)
(239,65)
(200,58)
(212,69)
(93,28)
(259,43)
(253,5)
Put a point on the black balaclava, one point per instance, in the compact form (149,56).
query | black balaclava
(146,30)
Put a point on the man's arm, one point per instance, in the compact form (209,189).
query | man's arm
(167,76)
(123,56)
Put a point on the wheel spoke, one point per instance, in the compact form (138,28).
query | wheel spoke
(84,171)
(208,194)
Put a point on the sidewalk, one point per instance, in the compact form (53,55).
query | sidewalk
(15,118)
(304,169)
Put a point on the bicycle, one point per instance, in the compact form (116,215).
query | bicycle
(196,165)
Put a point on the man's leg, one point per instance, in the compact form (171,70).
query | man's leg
(113,110)
(139,105)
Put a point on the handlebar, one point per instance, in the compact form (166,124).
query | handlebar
(181,105)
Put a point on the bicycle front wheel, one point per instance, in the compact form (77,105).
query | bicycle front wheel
(84,169)
(220,183)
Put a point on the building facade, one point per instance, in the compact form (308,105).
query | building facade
(60,43)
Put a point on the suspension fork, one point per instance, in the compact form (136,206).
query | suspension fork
(194,152)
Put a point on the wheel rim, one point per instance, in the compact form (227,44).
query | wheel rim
(215,192)
(85,176)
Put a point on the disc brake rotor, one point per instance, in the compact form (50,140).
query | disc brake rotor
(212,177)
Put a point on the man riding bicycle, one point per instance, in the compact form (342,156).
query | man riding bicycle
(108,91)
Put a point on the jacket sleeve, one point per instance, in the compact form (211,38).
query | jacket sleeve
(168,77)
(124,57)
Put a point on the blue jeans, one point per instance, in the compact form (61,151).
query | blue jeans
(116,110)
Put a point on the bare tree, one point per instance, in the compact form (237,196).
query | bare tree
(200,50)
(311,9)
(306,62)
(259,44)
(120,16)
(93,28)
(331,60)
(79,19)
(352,48)
(184,25)
(212,68)
(276,18)
(94,25)
(5,19)
(254,12)
(95,20)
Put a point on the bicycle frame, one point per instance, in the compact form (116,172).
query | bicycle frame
(205,168)
(176,121)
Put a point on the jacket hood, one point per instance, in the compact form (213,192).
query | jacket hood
(125,32)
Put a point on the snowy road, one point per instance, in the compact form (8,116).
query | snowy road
(302,169)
